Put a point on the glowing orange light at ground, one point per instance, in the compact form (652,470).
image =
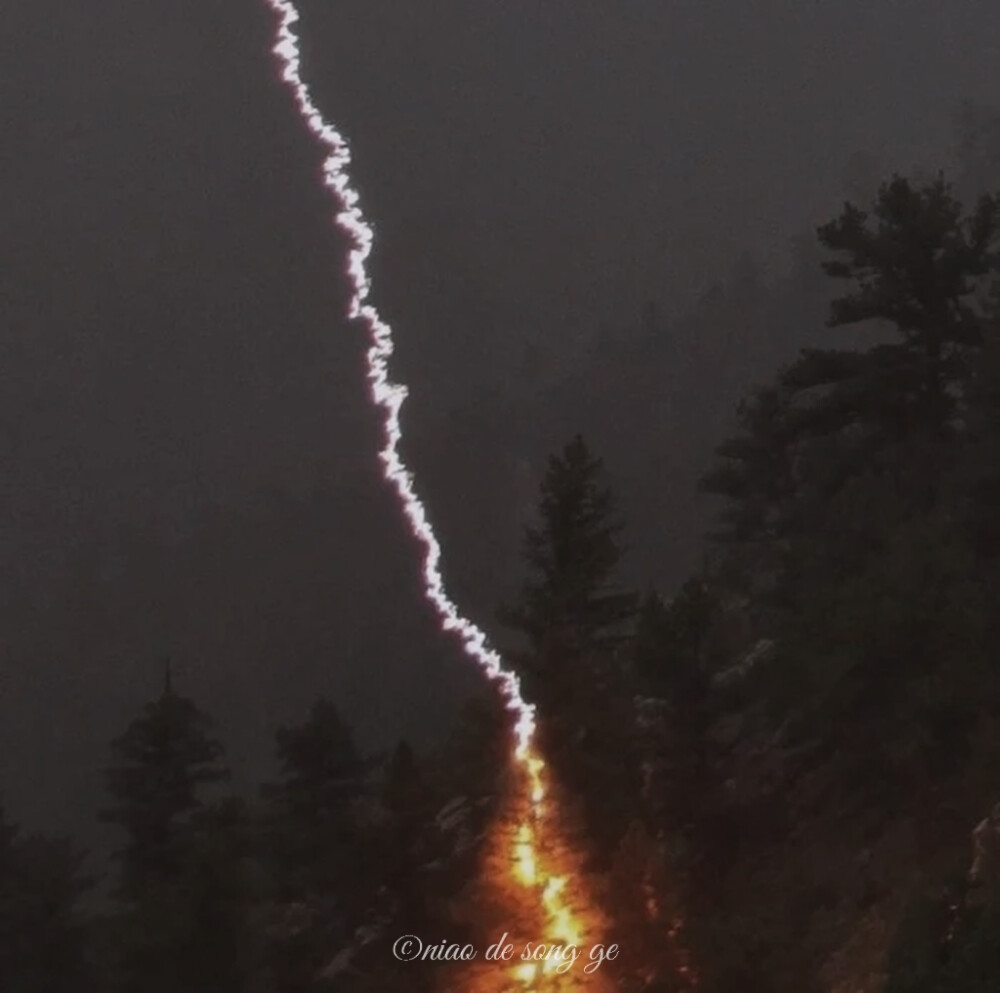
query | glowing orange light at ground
(537,865)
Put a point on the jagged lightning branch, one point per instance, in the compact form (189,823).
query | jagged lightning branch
(389,396)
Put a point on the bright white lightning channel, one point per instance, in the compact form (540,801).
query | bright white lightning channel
(387,395)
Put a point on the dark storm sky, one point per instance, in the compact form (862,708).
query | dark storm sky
(187,454)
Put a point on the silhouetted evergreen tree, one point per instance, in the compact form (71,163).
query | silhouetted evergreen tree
(160,762)
(324,875)
(570,609)
(322,777)
(919,267)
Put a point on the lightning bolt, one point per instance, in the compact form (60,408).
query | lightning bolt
(525,854)
(389,396)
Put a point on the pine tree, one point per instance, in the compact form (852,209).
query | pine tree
(570,609)
(919,268)
(161,761)
(892,413)
(324,863)
(321,778)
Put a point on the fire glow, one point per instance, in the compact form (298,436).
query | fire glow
(388,397)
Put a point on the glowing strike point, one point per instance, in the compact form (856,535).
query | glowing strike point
(389,396)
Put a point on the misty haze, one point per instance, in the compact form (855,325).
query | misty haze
(698,310)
